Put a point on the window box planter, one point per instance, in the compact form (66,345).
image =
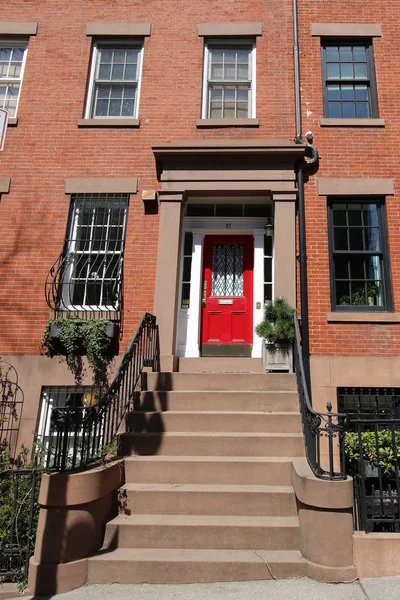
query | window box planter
(111,332)
(277,356)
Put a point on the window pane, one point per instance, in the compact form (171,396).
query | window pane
(130,72)
(355,217)
(358,293)
(117,72)
(347,92)
(373,267)
(342,293)
(360,71)
(228,210)
(187,264)
(268,245)
(339,214)
(119,56)
(217,71)
(348,110)
(361,92)
(357,270)
(200,210)
(5,54)
(346,54)
(370,212)
(334,111)
(105,71)
(185,295)
(128,108)
(362,110)
(356,238)
(187,250)
(340,238)
(267,292)
(115,108)
(347,71)
(371,238)
(333,71)
(267,269)
(333,91)
(332,53)
(341,267)
(360,54)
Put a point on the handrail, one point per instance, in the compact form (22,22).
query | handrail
(318,426)
(81,435)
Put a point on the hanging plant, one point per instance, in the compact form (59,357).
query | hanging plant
(73,337)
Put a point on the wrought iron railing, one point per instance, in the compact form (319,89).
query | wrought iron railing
(80,435)
(372,446)
(19,491)
(11,404)
(323,432)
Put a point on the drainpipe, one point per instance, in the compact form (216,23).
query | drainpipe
(300,168)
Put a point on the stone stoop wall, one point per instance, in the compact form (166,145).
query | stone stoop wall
(351,152)
(325,510)
(74,509)
(47,146)
(376,554)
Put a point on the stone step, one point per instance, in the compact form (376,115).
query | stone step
(256,382)
(148,565)
(232,470)
(202,531)
(286,401)
(212,444)
(250,421)
(217,364)
(211,499)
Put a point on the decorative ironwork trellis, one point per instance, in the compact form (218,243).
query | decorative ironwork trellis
(11,404)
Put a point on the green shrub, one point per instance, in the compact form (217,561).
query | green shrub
(277,325)
(387,457)
(81,336)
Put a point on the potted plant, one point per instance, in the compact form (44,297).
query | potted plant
(277,331)
(73,337)
(372,443)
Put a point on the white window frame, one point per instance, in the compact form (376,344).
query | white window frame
(206,67)
(14,80)
(91,87)
(67,289)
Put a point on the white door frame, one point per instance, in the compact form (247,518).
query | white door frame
(188,329)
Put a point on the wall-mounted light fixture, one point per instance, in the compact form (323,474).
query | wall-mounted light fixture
(269,227)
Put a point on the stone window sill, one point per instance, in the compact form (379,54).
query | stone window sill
(363,317)
(12,121)
(109,123)
(205,123)
(352,122)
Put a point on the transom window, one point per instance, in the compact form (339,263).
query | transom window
(92,271)
(115,77)
(12,63)
(349,80)
(229,81)
(359,263)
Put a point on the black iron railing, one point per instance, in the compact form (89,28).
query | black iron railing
(11,404)
(372,446)
(79,435)
(323,432)
(19,491)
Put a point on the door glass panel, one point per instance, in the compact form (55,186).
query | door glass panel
(227,270)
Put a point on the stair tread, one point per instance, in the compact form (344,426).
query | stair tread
(235,434)
(204,520)
(204,487)
(199,555)
(283,414)
(210,459)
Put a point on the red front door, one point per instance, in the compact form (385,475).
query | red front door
(227,295)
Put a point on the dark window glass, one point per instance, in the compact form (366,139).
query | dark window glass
(359,263)
(200,210)
(186,271)
(349,80)
(229,210)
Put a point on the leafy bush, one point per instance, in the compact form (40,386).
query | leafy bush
(81,336)
(384,441)
(16,492)
(277,325)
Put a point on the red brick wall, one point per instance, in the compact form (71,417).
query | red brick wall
(47,145)
(351,152)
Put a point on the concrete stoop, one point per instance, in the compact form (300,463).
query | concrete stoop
(208,493)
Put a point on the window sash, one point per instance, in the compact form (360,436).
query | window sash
(346,107)
(94,253)
(8,81)
(371,291)
(231,82)
(95,82)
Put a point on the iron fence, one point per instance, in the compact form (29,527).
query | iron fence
(323,432)
(19,512)
(11,404)
(372,446)
(79,435)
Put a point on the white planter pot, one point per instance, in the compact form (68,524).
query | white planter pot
(277,357)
